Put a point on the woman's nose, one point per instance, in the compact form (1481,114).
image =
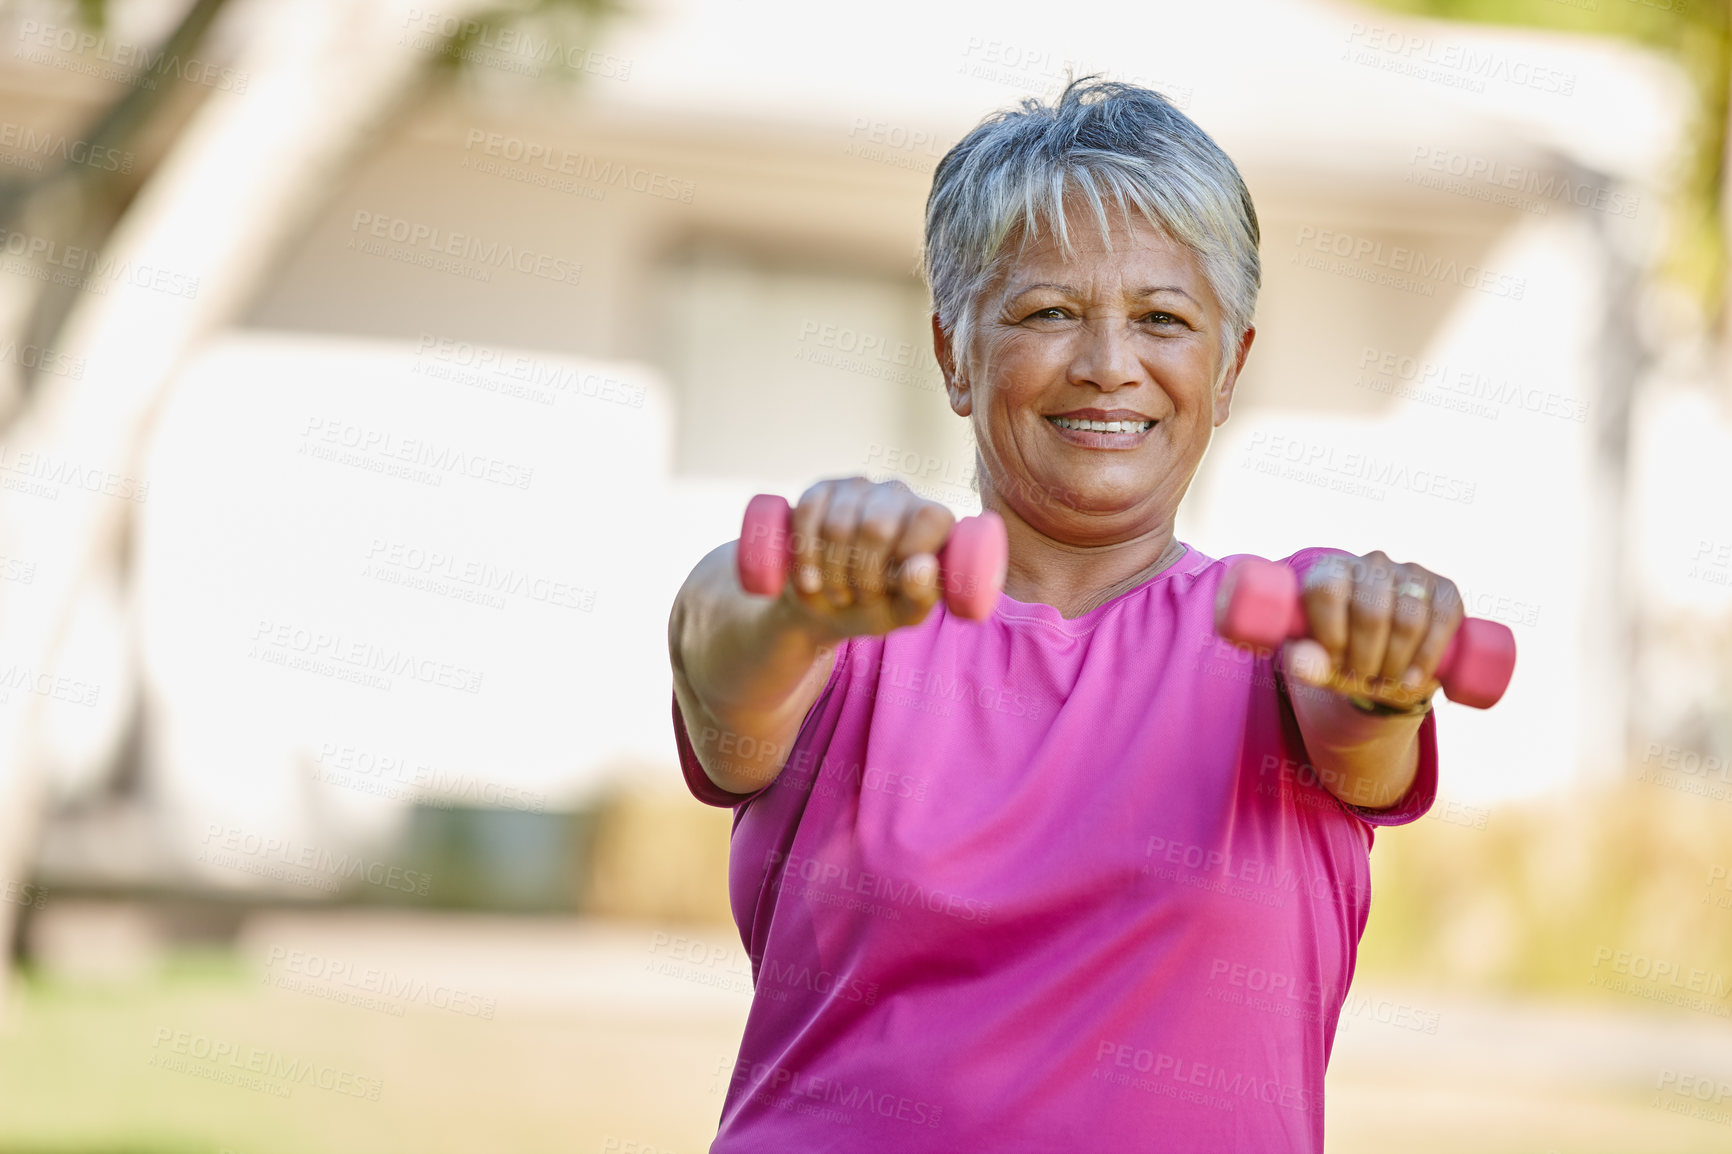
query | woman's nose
(1106,358)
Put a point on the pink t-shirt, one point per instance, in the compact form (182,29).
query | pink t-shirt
(1036,884)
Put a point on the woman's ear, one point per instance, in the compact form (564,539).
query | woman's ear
(1224,392)
(961,402)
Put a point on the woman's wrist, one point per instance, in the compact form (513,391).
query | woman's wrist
(1379,709)
(1365,759)
(788,617)
(1343,721)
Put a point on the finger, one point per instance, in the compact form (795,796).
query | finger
(881,516)
(1446,617)
(840,552)
(1328,585)
(918,587)
(1368,616)
(925,530)
(1408,622)
(917,579)
(1307,661)
(808,517)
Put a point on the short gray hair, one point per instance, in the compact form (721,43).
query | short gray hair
(1101,139)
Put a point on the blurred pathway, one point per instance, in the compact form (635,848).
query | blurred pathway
(568,1035)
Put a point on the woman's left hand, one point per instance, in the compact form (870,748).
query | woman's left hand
(1378,629)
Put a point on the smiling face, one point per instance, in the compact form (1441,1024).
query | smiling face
(1099,389)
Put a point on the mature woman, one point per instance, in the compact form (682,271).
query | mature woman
(1079,876)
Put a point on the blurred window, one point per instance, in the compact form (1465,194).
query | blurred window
(793,373)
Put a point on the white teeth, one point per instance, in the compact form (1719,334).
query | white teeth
(1101,426)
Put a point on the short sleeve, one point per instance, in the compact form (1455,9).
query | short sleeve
(697,780)
(1417,801)
(692,769)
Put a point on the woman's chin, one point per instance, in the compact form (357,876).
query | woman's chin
(1092,495)
(1090,514)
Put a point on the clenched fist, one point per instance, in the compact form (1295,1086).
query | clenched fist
(865,556)
(1378,629)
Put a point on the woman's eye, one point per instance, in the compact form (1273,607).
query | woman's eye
(1164,319)
(1049,314)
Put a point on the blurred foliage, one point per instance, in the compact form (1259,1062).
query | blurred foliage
(568,23)
(656,856)
(80,204)
(1697,36)
(94,14)
(1530,901)
(571,22)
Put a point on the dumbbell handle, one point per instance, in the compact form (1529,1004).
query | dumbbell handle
(1262,607)
(971,563)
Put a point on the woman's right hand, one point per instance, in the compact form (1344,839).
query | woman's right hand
(865,556)
(747,669)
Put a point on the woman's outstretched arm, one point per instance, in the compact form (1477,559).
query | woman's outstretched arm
(1378,631)
(747,669)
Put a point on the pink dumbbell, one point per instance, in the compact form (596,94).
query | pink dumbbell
(971,563)
(1264,609)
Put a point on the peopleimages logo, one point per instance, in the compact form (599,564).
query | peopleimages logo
(119,60)
(931,691)
(229,846)
(585,169)
(432,242)
(1499,182)
(86,269)
(1403,266)
(877,887)
(23,894)
(383,450)
(175,1046)
(1451,386)
(469,579)
(411,779)
(1457,65)
(1659,971)
(1355,473)
(785,1088)
(497,45)
(42,143)
(497,370)
(1199,1083)
(299,971)
(312,650)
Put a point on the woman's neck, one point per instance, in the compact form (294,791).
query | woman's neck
(1075,579)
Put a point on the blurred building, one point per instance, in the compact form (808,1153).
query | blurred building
(629,305)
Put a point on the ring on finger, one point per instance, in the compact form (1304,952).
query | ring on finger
(1415,589)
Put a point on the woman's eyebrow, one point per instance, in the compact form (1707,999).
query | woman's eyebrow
(1153,290)
(1068,290)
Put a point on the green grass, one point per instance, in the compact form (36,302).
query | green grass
(76,1074)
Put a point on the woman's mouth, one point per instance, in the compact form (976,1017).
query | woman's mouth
(1101,434)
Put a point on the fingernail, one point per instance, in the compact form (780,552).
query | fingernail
(809,579)
(1413,678)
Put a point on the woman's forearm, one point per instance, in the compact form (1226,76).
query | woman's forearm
(746,671)
(1362,758)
